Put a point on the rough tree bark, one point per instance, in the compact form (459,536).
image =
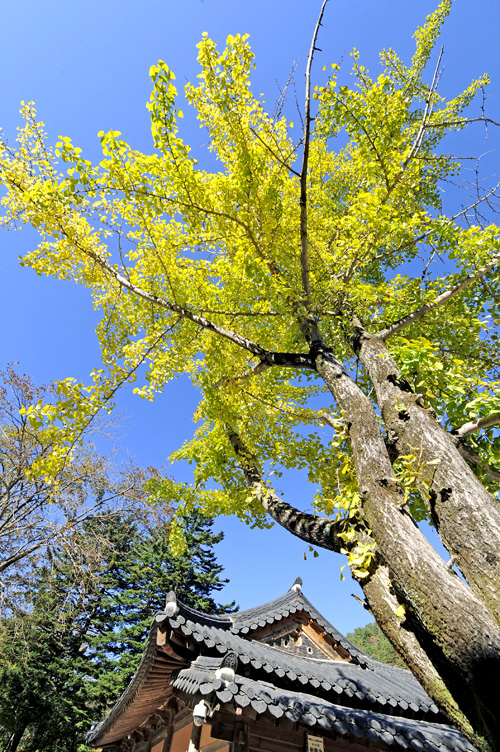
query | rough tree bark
(459,505)
(455,630)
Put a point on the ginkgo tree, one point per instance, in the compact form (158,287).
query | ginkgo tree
(296,285)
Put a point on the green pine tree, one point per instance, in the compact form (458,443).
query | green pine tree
(44,669)
(138,591)
(67,657)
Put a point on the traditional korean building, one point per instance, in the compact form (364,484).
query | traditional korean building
(276,678)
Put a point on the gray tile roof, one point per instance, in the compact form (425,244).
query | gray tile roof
(363,697)
(369,682)
(253,619)
(318,714)
(291,602)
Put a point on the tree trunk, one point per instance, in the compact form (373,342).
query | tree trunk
(458,504)
(381,597)
(451,624)
(15,739)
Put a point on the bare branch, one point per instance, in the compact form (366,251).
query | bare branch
(29,547)
(477,425)
(439,301)
(281,100)
(277,157)
(427,112)
(450,220)
(462,121)
(304,256)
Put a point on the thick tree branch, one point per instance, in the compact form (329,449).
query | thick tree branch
(441,300)
(430,600)
(477,425)
(452,493)
(382,601)
(287,360)
(237,314)
(383,604)
(381,598)
(304,241)
(318,531)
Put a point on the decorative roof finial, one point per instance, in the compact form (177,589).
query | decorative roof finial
(297,585)
(228,667)
(171,605)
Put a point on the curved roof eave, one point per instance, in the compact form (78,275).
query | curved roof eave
(138,702)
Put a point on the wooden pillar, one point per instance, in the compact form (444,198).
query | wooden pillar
(194,742)
(240,737)
(170,729)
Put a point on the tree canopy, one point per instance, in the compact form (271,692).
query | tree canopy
(302,286)
(40,508)
(372,640)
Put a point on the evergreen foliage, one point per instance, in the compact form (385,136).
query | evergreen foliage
(134,590)
(70,652)
(371,640)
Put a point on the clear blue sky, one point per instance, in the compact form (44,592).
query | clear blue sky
(86,67)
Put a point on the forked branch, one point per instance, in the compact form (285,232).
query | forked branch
(286,360)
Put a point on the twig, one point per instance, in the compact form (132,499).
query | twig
(488,289)
(417,143)
(462,121)
(449,221)
(276,156)
(281,100)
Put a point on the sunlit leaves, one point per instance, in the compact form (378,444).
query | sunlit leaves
(426,37)
(158,236)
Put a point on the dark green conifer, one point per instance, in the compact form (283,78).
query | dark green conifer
(141,583)
(69,653)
